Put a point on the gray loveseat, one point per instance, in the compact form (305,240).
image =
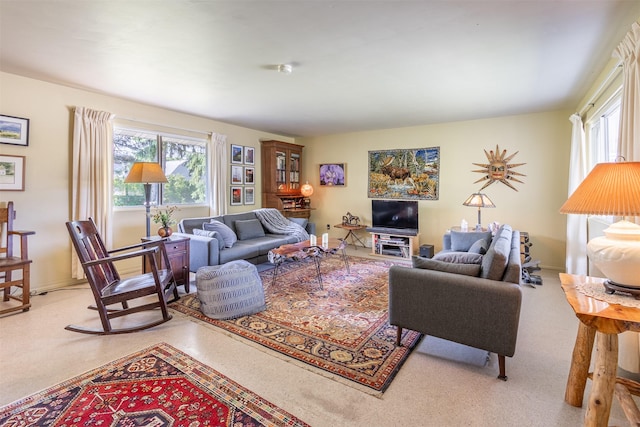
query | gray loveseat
(252,240)
(469,303)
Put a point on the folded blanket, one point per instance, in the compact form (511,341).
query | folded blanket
(276,223)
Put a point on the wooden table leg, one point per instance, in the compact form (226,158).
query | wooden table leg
(580,361)
(604,380)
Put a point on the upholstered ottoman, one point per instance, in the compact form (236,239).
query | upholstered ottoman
(230,290)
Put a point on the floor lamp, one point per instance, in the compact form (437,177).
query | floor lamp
(146,173)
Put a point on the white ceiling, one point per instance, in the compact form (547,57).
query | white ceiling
(357,65)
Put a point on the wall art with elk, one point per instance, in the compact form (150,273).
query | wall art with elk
(412,174)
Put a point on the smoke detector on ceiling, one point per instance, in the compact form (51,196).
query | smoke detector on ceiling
(285,68)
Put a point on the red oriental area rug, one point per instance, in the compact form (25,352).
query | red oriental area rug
(341,331)
(159,386)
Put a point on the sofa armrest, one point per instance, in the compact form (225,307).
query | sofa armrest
(311,227)
(203,251)
(473,311)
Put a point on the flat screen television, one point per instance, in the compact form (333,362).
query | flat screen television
(395,214)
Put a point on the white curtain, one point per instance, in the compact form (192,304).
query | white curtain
(629,147)
(576,259)
(218,173)
(91,174)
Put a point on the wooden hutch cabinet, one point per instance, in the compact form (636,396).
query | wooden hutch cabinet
(281,175)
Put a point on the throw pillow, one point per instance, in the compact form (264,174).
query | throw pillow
(459,257)
(461,241)
(495,260)
(249,229)
(479,247)
(302,222)
(227,233)
(447,267)
(214,234)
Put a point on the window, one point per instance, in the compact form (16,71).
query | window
(183,161)
(603,133)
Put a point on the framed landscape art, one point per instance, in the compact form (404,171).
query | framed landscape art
(249,156)
(236,154)
(236,174)
(249,174)
(14,130)
(411,174)
(12,173)
(249,195)
(236,196)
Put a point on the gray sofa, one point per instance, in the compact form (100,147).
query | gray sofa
(471,303)
(253,241)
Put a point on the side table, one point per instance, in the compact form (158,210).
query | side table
(178,252)
(351,229)
(602,322)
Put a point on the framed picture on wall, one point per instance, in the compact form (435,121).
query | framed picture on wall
(236,196)
(14,130)
(249,175)
(249,195)
(236,154)
(12,173)
(249,156)
(236,174)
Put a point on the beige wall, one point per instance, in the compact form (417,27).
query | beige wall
(44,206)
(541,140)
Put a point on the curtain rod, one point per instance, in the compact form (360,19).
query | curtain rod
(129,119)
(603,86)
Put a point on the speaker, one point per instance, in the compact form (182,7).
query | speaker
(426,251)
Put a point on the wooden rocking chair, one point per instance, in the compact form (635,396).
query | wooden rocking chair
(109,288)
(11,263)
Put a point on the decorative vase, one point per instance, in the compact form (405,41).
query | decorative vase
(165,231)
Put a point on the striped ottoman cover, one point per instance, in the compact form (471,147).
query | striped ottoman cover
(230,290)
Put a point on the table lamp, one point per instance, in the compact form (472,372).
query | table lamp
(306,190)
(612,189)
(479,200)
(146,173)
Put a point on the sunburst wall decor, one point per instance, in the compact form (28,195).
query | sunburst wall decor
(499,169)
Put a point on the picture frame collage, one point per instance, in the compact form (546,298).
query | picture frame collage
(13,131)
(243,173)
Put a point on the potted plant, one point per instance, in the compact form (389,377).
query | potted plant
(165,219)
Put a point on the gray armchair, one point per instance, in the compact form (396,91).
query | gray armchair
(476,311)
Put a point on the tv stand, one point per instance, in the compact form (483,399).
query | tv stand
(394,245)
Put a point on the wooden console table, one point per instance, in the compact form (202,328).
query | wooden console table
(602,322)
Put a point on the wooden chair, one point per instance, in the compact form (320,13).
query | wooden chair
(10,264)
(109,288)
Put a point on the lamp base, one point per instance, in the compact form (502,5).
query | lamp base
(611,288)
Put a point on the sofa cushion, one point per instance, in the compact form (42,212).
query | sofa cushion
(495,261)
(208,233)
(431,264)
(249,229)
(479,247)
(461,241)
(302,222)
(458,257)
(227,233)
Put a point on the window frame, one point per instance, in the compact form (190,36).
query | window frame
(158,190)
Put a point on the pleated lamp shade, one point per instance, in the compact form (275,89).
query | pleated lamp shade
(145,172)
(610,189)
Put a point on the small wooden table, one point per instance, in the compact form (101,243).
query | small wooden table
(351,233)
(603,322)
(304,250)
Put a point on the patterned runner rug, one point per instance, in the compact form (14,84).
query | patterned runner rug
(340,331)
(159,386)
